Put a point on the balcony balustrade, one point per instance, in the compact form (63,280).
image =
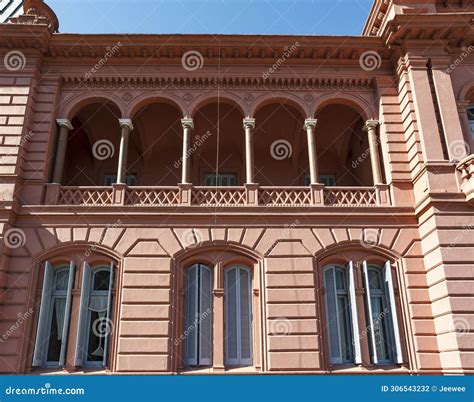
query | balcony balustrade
(188,195)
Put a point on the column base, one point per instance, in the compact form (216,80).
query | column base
(251,193)
(185,196)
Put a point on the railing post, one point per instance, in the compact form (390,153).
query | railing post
(382,195)
(185,194)
(251,194)
(118,197)
(52,193)
(317,195)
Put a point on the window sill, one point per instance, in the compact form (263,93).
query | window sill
(80,370)
(385,369)
(212,370)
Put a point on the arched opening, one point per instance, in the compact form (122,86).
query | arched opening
(93,145)
(280,145)
(217,146)
(342,147)
(157,135)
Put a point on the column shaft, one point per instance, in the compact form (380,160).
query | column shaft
(249,125)
(188,126)
(310,124)
(371,128)
(127,126)
(64,128)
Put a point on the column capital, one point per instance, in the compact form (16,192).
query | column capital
(249,122)
(64,123)
(310,123)
(187,123)
(371,125)
(126,123)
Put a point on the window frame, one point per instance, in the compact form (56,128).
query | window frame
(220,176)
(470,112)
(197,331)
(239,361)
(45,318)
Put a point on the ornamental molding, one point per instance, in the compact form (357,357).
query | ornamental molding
(254,83)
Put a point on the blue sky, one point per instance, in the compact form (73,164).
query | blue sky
(295,17)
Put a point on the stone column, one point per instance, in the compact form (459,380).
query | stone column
(249,125)
(309,125)
(455,142)
(371,128)
(64,127)
(425,112)
(127,126)
(188,126)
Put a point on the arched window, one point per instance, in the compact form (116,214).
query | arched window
(198,316)
(238,316)
(95,316)
(381,314)
(53,322)
(470,116)
(341,313)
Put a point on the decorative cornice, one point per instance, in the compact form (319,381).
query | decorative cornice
(95,82)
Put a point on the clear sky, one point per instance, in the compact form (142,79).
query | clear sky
(295,17)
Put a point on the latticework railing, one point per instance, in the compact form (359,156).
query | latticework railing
(284,196)
(218,196)
(163,196)
(91,196)
(350,196)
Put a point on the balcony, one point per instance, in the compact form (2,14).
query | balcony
(218,197)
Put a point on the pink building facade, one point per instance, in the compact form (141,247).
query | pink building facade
(239,204)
